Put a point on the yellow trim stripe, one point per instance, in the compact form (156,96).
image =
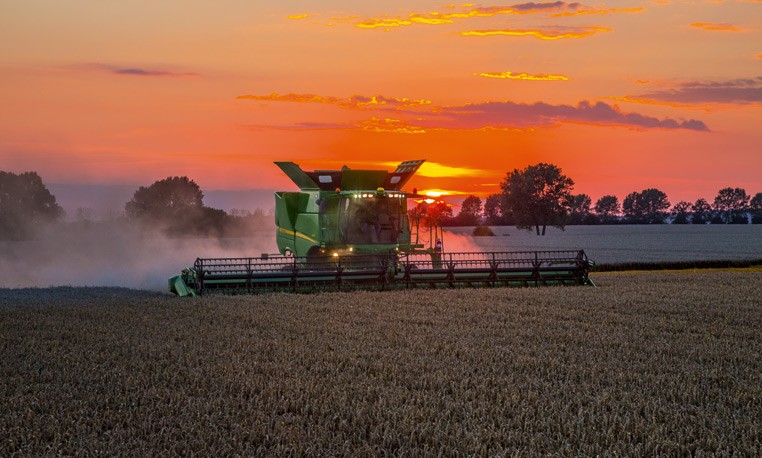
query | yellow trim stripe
(297,234)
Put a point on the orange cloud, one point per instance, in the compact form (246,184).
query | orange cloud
(383,125)
(497,115)
(437,18)
(301,16)
(759,56)
(741,91)
(524,76)
(380,100)
(438,170)
(301,98)
(594,11)
(428,18)
(355,101)
(717,26)
(555,33)
(389,126)
(632,99)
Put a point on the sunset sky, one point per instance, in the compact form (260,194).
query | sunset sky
(622,95)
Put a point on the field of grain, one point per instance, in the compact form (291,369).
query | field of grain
(626,243)
(644,364)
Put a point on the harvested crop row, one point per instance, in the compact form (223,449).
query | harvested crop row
(644,364)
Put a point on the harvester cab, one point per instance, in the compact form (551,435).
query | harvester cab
(339,212)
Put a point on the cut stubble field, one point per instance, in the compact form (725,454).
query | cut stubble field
(644,364)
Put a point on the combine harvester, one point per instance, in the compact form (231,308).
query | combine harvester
(352,229)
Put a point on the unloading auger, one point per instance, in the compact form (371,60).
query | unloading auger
(352,229)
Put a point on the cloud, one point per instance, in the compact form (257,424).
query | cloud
(300,16)
(511,114)
(738,91)
(300,98)
(473,116)
(524,76)
(437,170)
(524,8)
(390,126)
(759,56)
(546,33)
(380,100)
(717,26)
(592,10)
(355,101)
(466,11)
(130,71)
(384,125)
(143,72)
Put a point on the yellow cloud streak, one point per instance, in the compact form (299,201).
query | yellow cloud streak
(524,76)
(538,33)
(656,102)
(438,170)
(300,16)
(389,126)
(593,11)
(301,98)
(355,101)
(435,18)
(358,101)
(716,26)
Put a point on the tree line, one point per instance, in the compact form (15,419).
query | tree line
(541,195)
(532,198)
(173,206)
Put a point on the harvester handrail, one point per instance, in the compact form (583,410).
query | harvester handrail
(390,270)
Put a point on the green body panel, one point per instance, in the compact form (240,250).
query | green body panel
(338,211)
(177,285)
(297,175)
(318,222)
(362,180)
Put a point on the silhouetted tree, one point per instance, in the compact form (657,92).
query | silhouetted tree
(493,214)
(607,209)
(645,207)
(25,205)
(470,212)
(176,206)
(733,204)
(756,208)
(165,199)
(438,212)
(680,210)
(702,212)
(580,211)
(538,196)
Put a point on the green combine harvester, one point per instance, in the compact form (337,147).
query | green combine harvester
(352,229)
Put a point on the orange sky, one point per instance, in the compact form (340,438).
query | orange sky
(623,95)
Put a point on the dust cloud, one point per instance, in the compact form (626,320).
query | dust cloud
(114,254)
(459,243)
(124,255)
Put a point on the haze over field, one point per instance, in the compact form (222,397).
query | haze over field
(110,255)
(622,95)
